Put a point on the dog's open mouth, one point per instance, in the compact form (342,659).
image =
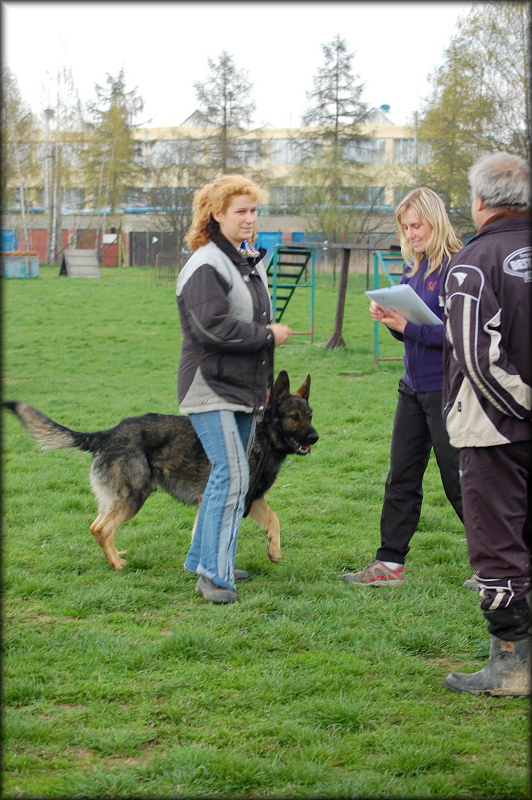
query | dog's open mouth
(299,449)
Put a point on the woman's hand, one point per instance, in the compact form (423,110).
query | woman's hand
(281,333)
(376,313)
(392,319)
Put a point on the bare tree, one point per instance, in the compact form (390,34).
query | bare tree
(176,170)
(64,147)
(479,101)
(19,147)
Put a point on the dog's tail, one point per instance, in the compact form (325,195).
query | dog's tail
(48,434)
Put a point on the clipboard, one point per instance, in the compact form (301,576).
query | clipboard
(402,298)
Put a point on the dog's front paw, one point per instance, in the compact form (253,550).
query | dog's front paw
(116,562)
(274,555)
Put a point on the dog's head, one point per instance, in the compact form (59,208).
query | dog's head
(292,429)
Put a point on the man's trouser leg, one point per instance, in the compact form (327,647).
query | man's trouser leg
(496,488)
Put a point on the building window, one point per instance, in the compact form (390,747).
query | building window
(13,199)
(403,151)
(139,154)
(363,197)
(399,193)
(365,151)
(286,200)
(244,151)
(71,153)
(38,195)
(73,199)
(134,198)
(294,151)
(424,153)
(350,197)
(172,198)
(376,196)
(180,151)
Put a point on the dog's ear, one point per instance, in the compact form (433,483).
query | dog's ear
(281,389)
(304,389)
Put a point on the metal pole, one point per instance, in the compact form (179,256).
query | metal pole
(416,149)
(274,282)
(312,289)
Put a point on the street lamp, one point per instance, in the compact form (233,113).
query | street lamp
(48,114)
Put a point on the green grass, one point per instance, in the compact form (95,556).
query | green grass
(127,684)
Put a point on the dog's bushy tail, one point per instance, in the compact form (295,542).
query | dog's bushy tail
(48,434)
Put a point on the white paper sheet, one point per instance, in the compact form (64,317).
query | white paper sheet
(403,299)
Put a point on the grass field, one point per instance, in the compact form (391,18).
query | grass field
(128,684)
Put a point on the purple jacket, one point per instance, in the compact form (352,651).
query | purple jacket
(423,357)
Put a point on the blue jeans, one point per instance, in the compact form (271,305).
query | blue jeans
(226,437)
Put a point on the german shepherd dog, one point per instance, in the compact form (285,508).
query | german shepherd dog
(141,453)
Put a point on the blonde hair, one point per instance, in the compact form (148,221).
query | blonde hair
(214,198)
(442,241)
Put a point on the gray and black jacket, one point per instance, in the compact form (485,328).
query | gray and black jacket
(224,307)
(487,297)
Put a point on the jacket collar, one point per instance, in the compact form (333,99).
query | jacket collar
(505,214)
(231,251)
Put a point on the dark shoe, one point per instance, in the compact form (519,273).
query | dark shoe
(241,575)
(472,583)
(507,673)
(214,593)
(376,574)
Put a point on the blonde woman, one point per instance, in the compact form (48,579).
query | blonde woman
(226,366)
(427,244)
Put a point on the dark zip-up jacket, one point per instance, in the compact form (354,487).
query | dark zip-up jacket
(224,307)
(488,324)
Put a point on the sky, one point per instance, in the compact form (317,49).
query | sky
(163,48)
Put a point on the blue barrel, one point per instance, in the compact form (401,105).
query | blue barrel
(9,241)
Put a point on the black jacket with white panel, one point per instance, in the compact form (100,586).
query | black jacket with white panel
(487,297)
(224,306)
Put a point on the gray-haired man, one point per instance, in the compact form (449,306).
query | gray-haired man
(487,397)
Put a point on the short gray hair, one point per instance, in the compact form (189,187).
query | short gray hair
(501,180)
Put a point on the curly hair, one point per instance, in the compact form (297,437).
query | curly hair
(214,198)
(442,242)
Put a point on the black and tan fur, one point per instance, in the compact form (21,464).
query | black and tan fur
(141,453)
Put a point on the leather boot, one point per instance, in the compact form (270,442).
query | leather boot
(507,673)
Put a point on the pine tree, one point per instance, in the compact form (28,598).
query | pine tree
(225,107)
(336,98)
(110,165)
(335,184)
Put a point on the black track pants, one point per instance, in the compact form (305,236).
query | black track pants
(496,491)
(418,427)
